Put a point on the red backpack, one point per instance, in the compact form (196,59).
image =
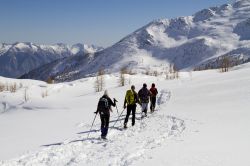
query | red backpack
(153,91)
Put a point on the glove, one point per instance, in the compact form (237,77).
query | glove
(115,100)
(96,112)
(124,106)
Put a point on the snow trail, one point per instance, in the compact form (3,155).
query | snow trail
(123,147)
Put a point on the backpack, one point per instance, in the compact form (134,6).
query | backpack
(144,95)
(154,91)
(131,97)
(103,104)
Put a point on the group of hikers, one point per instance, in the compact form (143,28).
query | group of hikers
(132,98)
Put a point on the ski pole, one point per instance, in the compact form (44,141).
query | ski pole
(118,118)
(141,117)
(116,106)
(117,111)
(92,125)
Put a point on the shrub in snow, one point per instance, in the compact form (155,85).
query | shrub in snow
(26,97)
(50,80)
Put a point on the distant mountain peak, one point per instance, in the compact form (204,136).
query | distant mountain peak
(187,42)
(21,57)
(241,3)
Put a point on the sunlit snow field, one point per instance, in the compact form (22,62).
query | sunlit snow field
(202,118)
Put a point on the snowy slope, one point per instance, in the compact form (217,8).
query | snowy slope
(188,42)
(201,119)
(19,58)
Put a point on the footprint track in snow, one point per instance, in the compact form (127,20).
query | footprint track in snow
(122,149)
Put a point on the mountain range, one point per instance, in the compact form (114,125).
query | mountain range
(21,57)
(191,42)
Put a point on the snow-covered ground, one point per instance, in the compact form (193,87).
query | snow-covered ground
(201,119)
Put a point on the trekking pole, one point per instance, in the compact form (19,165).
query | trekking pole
(117,111)
(141,117)
(141,120)
(116,106)
(118,117)
(92,125)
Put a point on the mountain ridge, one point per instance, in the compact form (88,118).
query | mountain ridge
(21,57)
(188,42)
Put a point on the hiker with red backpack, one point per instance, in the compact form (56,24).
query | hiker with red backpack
(154,93)
(104,109)
(144,95)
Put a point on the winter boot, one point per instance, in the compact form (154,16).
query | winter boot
(125,125)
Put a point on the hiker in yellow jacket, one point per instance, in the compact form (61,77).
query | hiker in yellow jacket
(131,99)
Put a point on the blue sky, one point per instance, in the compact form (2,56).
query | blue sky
(100,22)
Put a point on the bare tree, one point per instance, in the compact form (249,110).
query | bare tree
(99,82)
(2,87)
(147,72)
(175,72)
(225,64)
(172,72)
(122,78)
(13,88)
(167,75)
(155,73)
(45,93)
(171,68)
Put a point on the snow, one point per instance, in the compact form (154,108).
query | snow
(242,29)
(201,119)
(4,48)
(188,42)
(203,15)
(22,57)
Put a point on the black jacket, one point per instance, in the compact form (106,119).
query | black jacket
(144,95)
(110,103)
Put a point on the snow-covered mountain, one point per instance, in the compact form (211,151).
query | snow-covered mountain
(19,58)
(188,42)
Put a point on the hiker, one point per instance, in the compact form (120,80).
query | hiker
(144,95)
(154,93)
(104,108)
(131,99)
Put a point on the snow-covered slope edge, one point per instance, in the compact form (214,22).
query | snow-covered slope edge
(188,42)
(20,58)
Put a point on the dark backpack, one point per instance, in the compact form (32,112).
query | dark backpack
(103,104)
(144,95)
